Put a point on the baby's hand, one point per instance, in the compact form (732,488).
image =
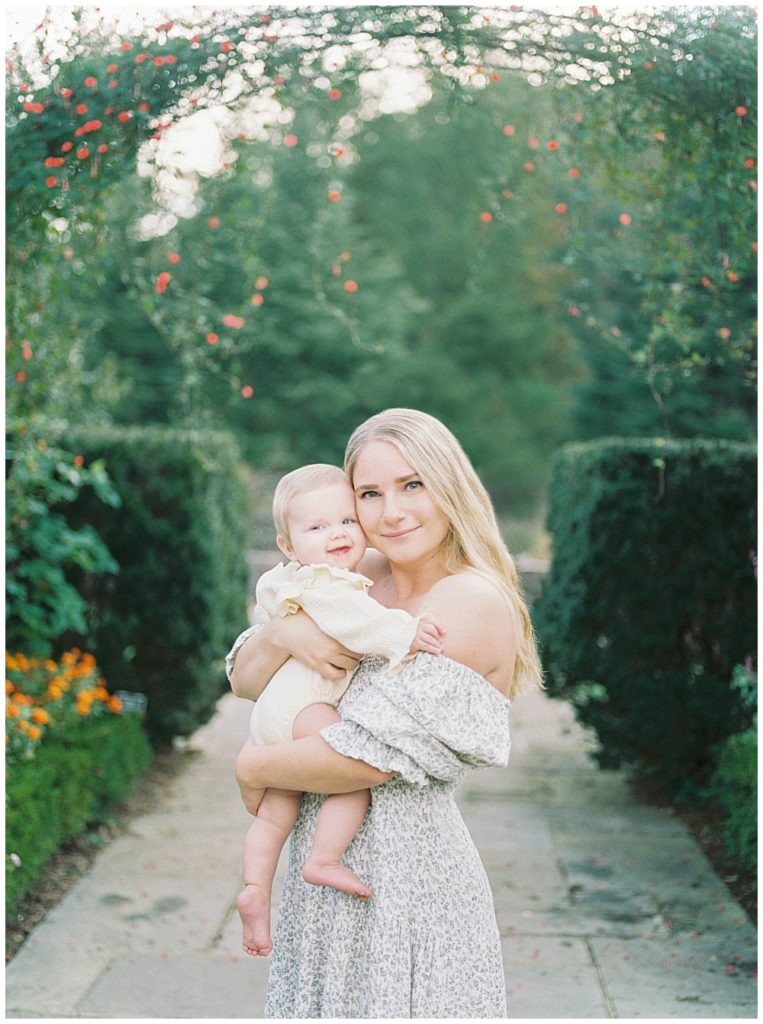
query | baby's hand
(428,636)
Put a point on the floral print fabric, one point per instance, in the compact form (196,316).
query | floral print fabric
(427,943)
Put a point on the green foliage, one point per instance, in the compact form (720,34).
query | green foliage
(466,318)
(163,625)
(479,241)
(734,782)
(651,598)
(664,299)
(68,785)
(41,544)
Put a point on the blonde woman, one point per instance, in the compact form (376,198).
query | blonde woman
(427,943)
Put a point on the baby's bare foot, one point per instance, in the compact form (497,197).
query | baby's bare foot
(336,875)
(254,907)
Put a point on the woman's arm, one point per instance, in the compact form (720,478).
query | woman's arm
(309,765)
(263,653)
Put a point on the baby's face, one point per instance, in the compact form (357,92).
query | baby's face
(323,527)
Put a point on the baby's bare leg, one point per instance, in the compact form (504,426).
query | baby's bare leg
(263,843)
(338,820)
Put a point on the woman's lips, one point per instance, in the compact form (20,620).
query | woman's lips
(402,533)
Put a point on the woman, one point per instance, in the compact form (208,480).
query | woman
(427,944)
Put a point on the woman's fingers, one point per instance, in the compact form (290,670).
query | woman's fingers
(246,776)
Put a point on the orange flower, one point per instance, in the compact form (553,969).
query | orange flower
(231,320)
(23,725)
(50,665)
(101,693)
(54,692)
(33,732)
(10,661)
(41,716)
(114,704)
(9,686)
(11,711)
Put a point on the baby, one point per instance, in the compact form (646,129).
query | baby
(318,531)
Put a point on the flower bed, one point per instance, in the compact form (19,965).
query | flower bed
(70,752)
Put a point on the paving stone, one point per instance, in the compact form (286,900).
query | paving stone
(188,986)
(561,968)
(662,978)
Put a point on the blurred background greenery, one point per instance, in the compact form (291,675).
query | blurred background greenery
(538,227)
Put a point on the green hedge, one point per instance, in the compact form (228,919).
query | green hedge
(735,785)
(651,598)
(163,624)
(67,785)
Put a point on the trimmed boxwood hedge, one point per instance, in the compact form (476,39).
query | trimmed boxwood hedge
(163,624)
(651,598)
(68,784)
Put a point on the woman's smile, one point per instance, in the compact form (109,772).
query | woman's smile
(400,533)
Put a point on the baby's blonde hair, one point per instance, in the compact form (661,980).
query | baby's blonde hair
(300,481)
(474,539)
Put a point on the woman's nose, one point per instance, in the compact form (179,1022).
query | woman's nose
(392,510)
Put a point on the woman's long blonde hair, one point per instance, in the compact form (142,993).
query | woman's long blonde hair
(474,540)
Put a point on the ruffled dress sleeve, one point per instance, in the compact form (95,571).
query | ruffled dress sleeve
(432,720)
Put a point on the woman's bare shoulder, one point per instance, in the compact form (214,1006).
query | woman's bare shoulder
(479,625)
(470,586)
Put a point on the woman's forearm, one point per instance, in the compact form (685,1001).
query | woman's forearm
(308,764)
(257,661)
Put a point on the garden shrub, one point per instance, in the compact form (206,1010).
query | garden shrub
(42,481)
(70,752)
(163,624)
(651,598)
(68,785)
(734,783)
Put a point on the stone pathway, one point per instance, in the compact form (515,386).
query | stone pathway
(607,907)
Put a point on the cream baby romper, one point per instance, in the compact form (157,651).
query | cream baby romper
(337,601)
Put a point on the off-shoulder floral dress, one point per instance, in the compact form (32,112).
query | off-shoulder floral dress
(427,943)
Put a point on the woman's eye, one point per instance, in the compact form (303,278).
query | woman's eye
(414,485)
(368,494)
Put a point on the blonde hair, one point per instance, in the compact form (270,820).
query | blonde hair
(474,540)
(300,481)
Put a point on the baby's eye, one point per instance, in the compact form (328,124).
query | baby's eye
(317,526)
(349,519)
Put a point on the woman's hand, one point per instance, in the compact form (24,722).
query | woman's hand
(300,636)
(246,776)
(263,653)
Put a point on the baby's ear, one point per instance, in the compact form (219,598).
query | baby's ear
(285,547)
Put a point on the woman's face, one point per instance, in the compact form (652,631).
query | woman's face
(396,511)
